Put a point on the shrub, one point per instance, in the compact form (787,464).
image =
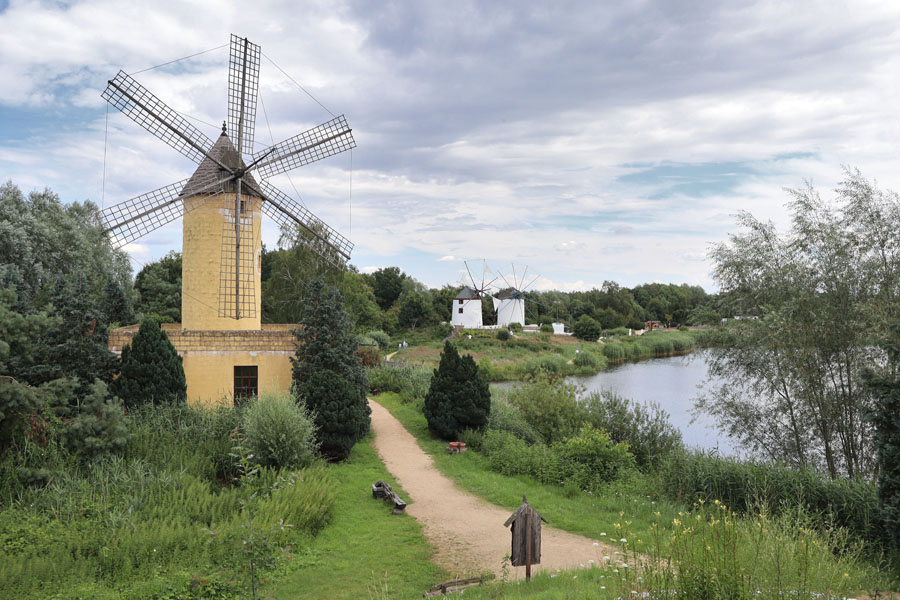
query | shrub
(503,335)
(585,461)
(341,413)
(516,326)
(458,397)
(505,417)
(586,328)
(614,352)
(590,459)
(368,356)
(410,381)
(95,425)
(509,455)
(151,370)
(540,367)
(586,359)
(546,328)
(279,432)
(647,429)
(552,409)
(619,331)
(381,338)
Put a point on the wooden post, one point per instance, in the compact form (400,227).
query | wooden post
(527,544)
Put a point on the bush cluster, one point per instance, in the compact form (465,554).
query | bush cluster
(411,382)
(586,359)
(586,460)
(280,433)
(381,338)
(502,335)
(646,428)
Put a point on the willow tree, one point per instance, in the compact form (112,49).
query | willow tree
(814,299)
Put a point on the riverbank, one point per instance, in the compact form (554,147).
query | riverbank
(527,355)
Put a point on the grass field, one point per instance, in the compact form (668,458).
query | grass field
(527,354)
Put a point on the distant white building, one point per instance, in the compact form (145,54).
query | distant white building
(466,309)
(559,328)
(510,307)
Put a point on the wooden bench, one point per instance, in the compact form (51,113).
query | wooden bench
(382,489)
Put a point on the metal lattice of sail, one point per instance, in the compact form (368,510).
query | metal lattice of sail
(226,174)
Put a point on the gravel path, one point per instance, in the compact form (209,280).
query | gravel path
(467,533)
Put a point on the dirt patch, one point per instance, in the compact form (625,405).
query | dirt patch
(467,533)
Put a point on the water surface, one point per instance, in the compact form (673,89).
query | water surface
(673,384)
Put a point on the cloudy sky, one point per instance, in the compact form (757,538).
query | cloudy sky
(590,141)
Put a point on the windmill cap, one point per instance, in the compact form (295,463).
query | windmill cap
(209,170)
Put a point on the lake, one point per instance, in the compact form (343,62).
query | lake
(673,384)
(670,382)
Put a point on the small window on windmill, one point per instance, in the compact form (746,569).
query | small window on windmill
(246,382)
(460,303)
(243,206)
(460,311)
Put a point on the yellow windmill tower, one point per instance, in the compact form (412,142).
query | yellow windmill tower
(227,351)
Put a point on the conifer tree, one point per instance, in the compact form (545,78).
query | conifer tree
(77,345)
(326,371)
(151,370)
(886,418)
(116,308)
(459,398)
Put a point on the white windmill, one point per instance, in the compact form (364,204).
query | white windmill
(466,309)
(510,301)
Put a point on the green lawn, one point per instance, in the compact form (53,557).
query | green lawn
(364,552)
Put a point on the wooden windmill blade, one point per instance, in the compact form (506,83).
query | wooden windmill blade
(243,87)
(322,239)
(141,106)
(327,139)
(132,219)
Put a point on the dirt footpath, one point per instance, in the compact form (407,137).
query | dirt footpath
(467,532)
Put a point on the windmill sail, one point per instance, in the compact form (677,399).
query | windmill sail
(327,139)
(223,175)
(141,106)
(243,86)
(132,219)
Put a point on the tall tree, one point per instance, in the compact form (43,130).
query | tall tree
(77,345)
(789,387)
(151,371)
(458,397)
(158,286)
(42,238)
(326,371)
(116,308)
(388,284)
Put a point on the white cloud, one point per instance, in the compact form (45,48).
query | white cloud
(482,131)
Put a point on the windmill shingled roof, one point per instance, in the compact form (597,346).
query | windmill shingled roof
(467,293)
(208,170)
(509,294)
